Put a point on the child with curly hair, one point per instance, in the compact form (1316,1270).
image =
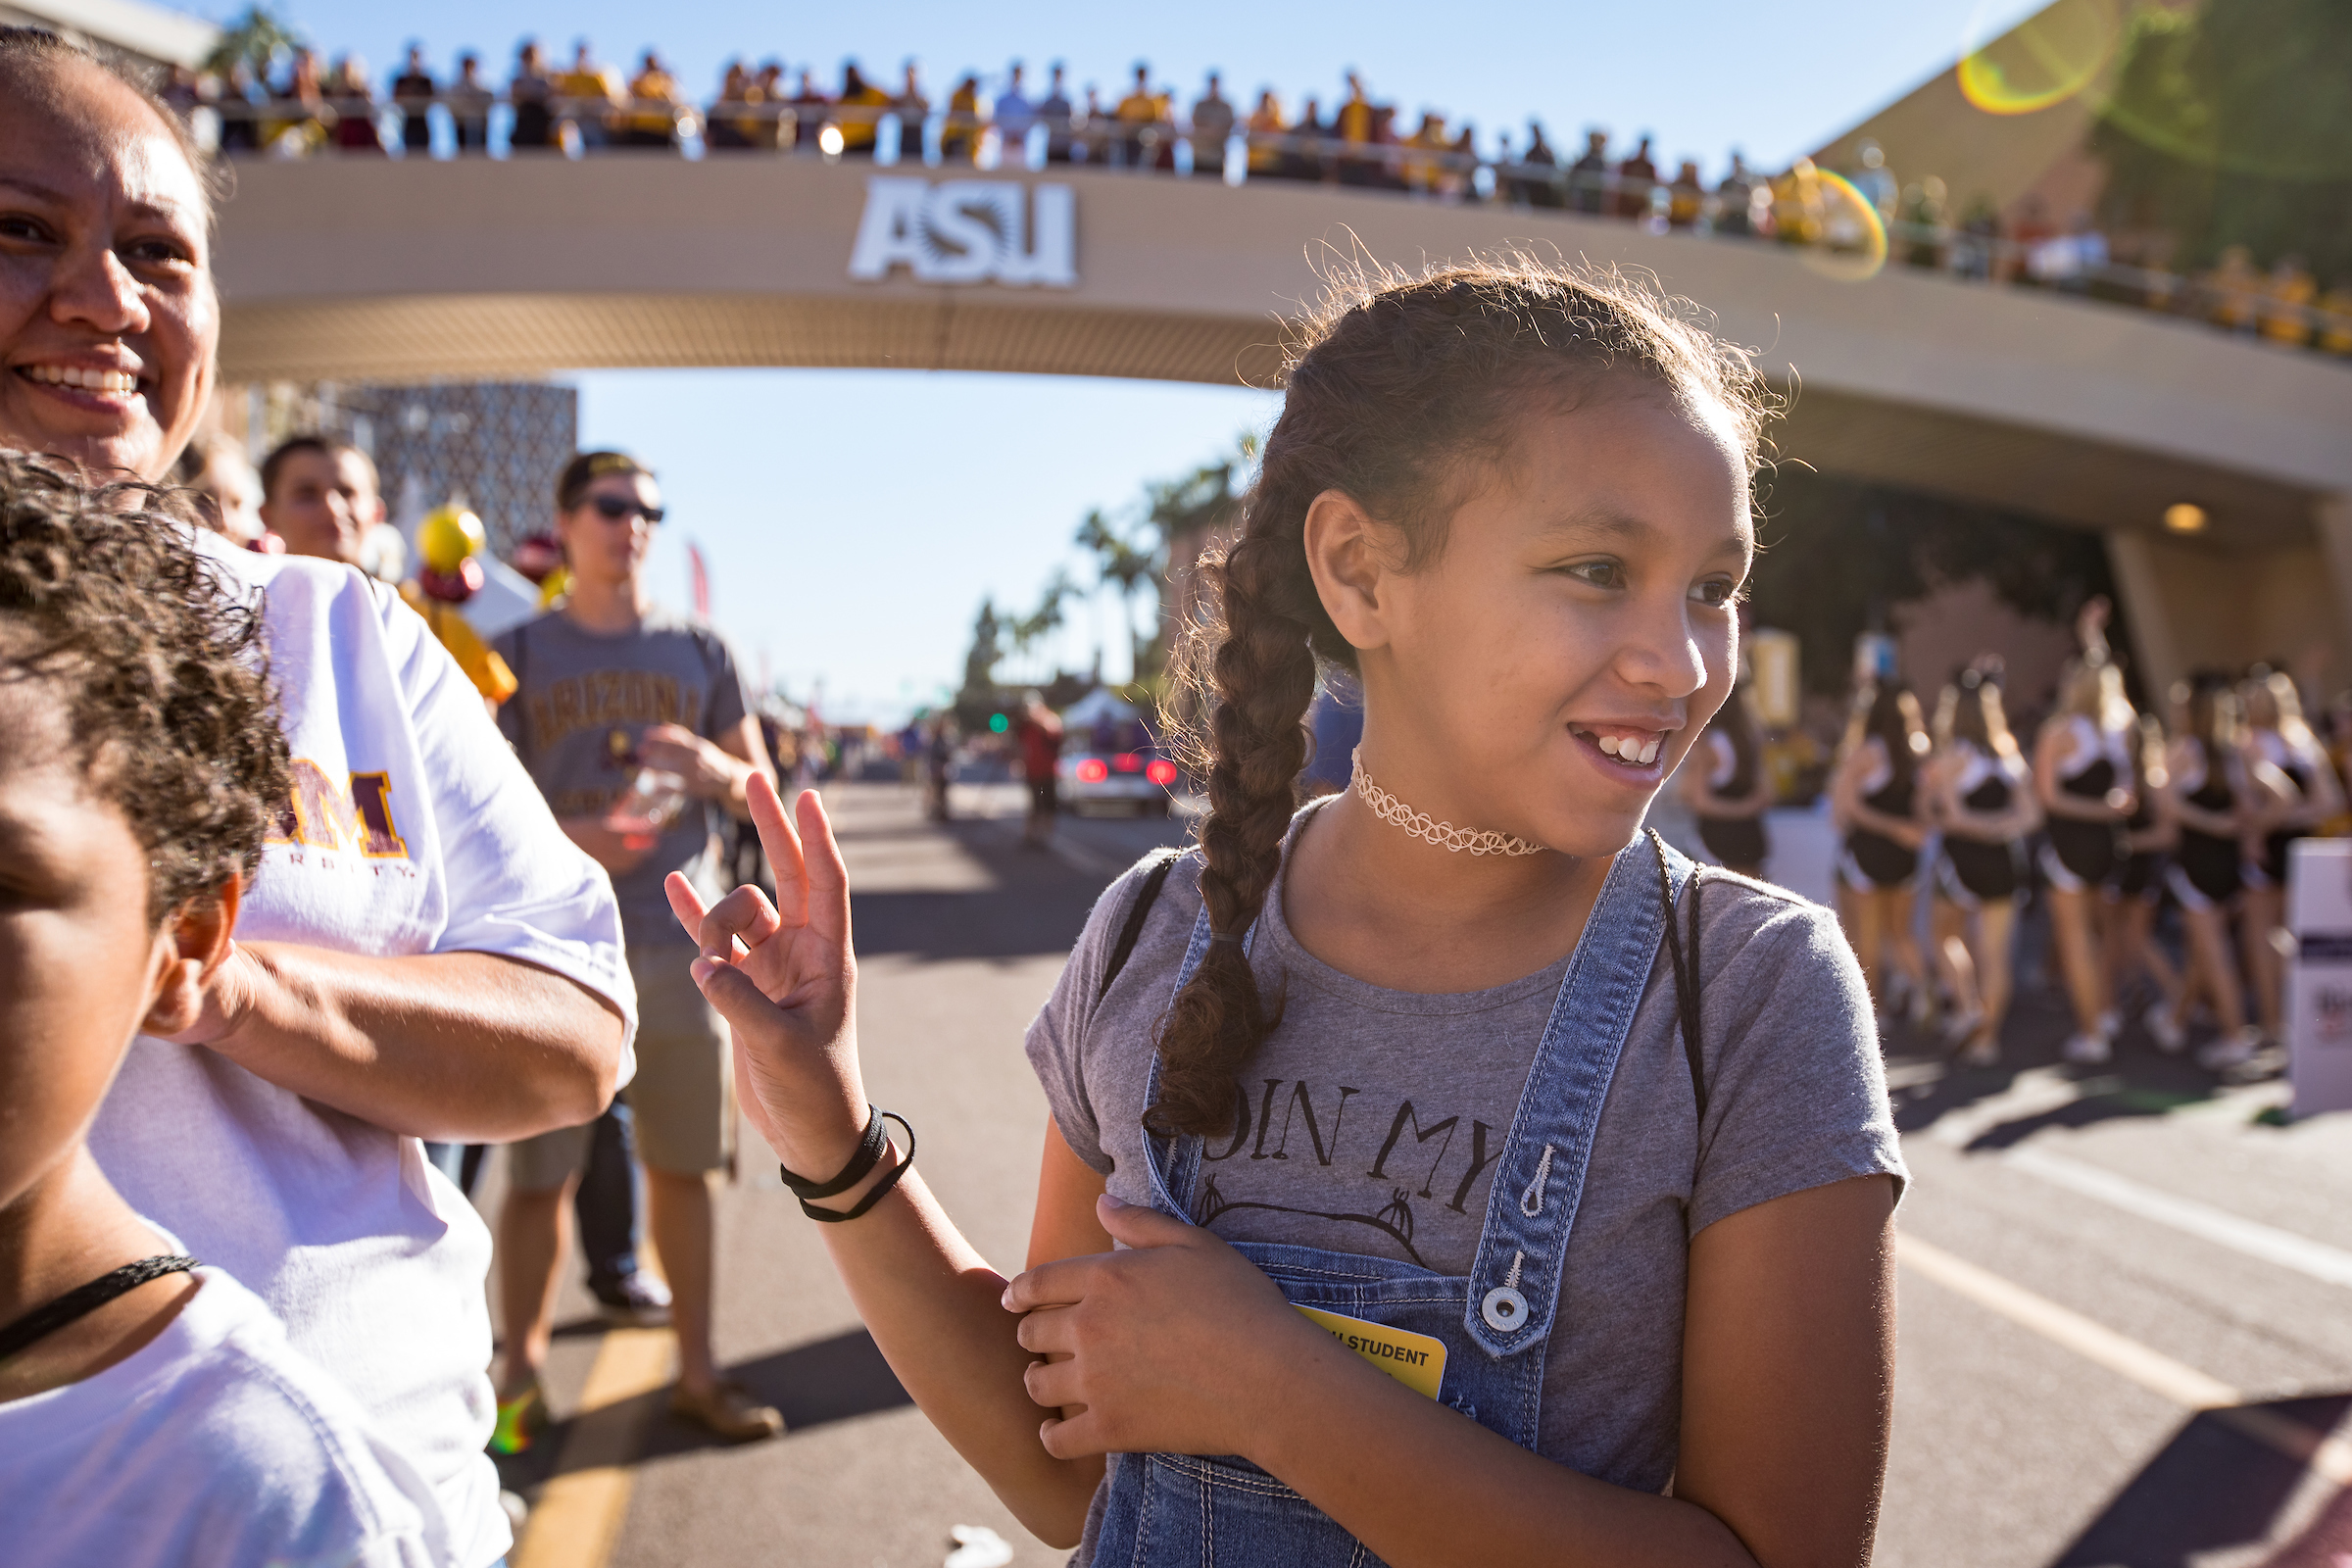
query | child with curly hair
(151,1409)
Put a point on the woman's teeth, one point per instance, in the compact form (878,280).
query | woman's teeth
(1640,753)
(117,382)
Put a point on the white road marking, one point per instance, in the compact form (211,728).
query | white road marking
(2152,1370)
(2183,1385)
(2328,1264)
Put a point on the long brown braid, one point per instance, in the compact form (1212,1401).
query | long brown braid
(1403,393)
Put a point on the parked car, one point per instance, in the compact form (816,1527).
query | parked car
(1139,777)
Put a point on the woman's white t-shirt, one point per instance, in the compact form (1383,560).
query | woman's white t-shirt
(413,830)
(214,1444)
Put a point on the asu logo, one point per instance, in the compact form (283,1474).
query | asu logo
(967,231)
(325,816)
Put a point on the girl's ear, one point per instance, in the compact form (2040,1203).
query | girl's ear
(1348,557)
(198,938)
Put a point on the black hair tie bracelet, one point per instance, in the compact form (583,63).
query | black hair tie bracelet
(867,1155)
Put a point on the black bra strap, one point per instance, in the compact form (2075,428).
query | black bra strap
(1685,972)
(82,1301)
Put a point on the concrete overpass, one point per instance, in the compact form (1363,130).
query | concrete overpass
(2086,414)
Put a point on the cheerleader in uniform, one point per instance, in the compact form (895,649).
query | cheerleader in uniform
(1981,797)
(2295,768)
(1875,800)
(1725,787)
(2215,803)
(2082,781)
(2150,834)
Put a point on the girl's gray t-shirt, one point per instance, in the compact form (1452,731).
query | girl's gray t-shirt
(1374,1119)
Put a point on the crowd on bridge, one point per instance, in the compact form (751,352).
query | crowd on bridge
(311,893)
(585,106)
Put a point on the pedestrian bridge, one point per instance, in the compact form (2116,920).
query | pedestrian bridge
(2096,415)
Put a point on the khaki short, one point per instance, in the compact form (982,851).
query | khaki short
(682,1099)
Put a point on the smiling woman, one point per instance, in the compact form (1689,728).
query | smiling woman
(106,307)
(422,951)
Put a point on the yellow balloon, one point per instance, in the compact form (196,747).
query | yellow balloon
(447,536)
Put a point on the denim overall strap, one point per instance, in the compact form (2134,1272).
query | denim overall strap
(1515,1282)
(1174,1174)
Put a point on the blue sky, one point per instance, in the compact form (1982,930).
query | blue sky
(835,556)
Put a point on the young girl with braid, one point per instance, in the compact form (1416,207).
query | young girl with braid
(1444,1171)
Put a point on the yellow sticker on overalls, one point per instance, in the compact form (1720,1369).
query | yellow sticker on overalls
(1413,1359)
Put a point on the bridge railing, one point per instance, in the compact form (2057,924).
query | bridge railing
(1822,214)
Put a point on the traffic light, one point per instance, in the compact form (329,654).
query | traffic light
(997,723)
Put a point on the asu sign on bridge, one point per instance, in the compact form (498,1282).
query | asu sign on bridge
(967,231)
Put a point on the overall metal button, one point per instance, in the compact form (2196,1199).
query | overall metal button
(1503,1309)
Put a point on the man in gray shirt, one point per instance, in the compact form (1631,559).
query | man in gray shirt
(636,726)
(1213,124)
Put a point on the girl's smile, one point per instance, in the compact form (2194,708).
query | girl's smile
(1630,753)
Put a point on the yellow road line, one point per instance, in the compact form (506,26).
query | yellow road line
(580,1511)
(2330,1456)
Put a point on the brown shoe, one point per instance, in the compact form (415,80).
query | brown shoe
(729,1410)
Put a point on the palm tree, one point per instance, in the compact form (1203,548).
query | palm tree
(1033,628)
(1130,564)
(255,39)
(1136,557)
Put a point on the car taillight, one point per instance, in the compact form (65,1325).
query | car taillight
(1128,762)
(1161,772)
(1092,771)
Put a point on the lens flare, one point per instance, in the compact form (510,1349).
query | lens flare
(1853,235)
(2044,60)
(2154,104)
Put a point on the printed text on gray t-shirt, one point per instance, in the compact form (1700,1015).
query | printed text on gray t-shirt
(1372,1118)
(584,701)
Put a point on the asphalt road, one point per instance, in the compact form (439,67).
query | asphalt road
(2092,1254)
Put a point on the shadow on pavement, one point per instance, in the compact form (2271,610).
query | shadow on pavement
(2211,1488)
(2136,1098)
(813,1385)
(1927,1084)
(2327,1544)
(830,1380)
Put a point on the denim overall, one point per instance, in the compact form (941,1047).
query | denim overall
(1174,1510)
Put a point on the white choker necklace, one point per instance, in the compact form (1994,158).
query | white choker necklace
(1445,835)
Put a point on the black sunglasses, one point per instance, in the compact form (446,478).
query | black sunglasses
(613,509)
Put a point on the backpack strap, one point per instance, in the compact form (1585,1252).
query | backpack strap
(1685,971)
(1137,913)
